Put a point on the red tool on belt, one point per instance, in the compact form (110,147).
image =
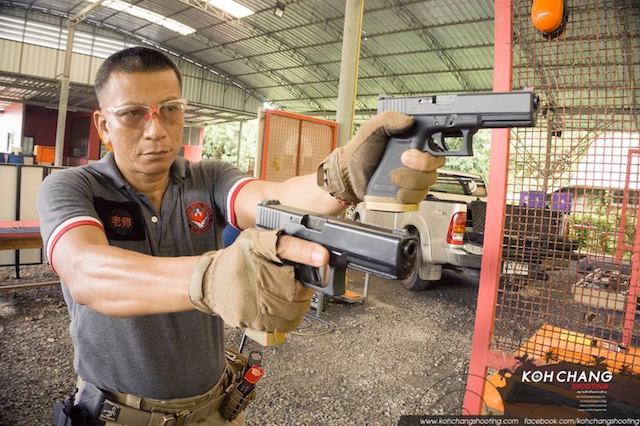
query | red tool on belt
(250,379)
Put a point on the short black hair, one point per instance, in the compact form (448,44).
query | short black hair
(134,59)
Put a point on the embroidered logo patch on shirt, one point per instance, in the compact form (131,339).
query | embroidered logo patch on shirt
(121,222)
(200,217)
(122,219)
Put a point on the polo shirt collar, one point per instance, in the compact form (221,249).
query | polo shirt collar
(108,168)
(179,169)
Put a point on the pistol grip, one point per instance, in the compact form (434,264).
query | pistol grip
(381,192)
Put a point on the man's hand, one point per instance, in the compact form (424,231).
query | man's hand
(345,173)
(247,284)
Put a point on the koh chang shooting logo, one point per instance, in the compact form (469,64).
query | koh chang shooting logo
(577,379)
(200,217)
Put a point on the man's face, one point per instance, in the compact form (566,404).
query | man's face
(147,146)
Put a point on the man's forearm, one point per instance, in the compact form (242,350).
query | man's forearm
(303,192)
(120,282)
(299,191)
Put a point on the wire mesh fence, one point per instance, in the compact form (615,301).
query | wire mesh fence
(570,277)
(294,144)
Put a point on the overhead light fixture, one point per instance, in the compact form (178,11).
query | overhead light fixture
(147,15)
(233,8)
(279,10)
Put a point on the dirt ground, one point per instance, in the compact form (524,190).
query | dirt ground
(366,364)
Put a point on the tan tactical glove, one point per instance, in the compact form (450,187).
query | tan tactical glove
(345,173)
(248,286)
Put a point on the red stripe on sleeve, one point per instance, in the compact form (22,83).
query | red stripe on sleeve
(60,233)
(232,212)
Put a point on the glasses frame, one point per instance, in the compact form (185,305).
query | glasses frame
(151,111)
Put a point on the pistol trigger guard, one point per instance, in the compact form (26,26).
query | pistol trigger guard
(308,275)
(467,135)
(441,142)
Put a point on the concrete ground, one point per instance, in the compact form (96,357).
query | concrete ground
(365,364)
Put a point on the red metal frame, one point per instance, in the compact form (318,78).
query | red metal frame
(481,353)
(634,289)
(267,124)
(621,247)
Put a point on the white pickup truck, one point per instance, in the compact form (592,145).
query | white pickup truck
(442,224)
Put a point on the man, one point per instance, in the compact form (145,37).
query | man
(134,239)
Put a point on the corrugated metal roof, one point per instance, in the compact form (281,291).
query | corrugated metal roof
(409,46)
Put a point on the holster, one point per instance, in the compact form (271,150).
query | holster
(92,406)
(235,401)
(83,410)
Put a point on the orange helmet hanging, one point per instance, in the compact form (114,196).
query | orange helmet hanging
(548,16)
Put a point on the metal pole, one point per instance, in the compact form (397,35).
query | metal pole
(239,143)
(348,84)
(64,80)
(64,95)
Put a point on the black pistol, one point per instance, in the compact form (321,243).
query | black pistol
(440,121)
(386,253)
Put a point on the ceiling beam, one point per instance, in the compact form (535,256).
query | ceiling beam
(380,55)
(365,52)
(444,71)
(373,77)
(277,41)
(256,66)
(423,33)
(324,21)
(330,24)
(49,105)
(142,39)
(338,39)
(376,94)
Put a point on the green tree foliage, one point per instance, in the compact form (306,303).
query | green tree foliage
(479,163)
(221,142)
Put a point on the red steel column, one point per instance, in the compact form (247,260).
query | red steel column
(634,280)
(494,229)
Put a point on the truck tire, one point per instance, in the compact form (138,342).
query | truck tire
(413,281)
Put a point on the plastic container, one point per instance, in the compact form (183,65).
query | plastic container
(44,154)
(15,159)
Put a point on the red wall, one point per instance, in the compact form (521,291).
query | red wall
(41,123)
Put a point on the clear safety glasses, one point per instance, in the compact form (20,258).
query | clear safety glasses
(137,116)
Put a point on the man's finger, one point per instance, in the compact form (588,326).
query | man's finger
(395,122)
(302,251)
(423,161)
(404,177)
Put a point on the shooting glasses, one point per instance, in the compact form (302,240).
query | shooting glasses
(137,116)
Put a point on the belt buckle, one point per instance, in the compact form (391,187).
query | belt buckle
(109,412)
(169,420)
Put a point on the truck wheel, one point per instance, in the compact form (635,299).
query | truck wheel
(413,281)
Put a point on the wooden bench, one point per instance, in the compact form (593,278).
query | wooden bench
(17,235)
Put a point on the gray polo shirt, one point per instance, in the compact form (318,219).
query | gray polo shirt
(156,356)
